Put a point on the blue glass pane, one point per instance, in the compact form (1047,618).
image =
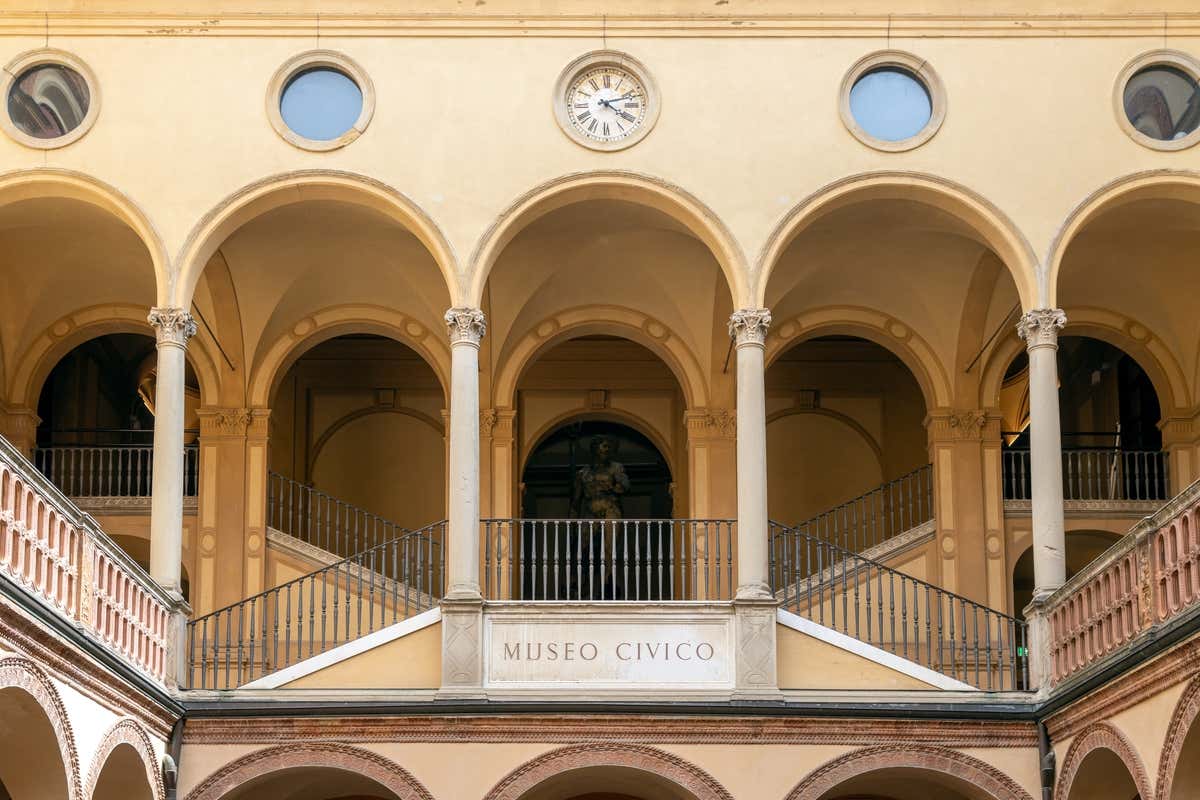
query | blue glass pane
(890,104)
(320,104)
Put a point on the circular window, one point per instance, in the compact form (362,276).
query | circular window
(50,99)
(1159,100)
(320,101)
(892,101)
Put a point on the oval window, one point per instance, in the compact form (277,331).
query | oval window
(321,104)
(1162,102)
(48,101)
(891,104)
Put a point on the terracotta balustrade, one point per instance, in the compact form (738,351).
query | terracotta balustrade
(59,555)
(1146,579)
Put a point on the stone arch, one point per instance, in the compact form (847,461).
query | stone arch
(293,187)
(329,323)
(883,329)
(128,733)
(684,774)
(618,185)
(1187,709)
(68,332)
(607,415)
(21,673)
(329,755)
(53,182)
(610,320)
(1159,183)
(992,225)
(346,419)
(1101,736)
(920,757)
(840,418)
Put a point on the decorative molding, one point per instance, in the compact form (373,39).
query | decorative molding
(172,325)
(24,674)
(976,425)
(383,771)
(710,423)
(754,623)
(749,326)
(1133,509)
(1040,327)
(127,732)
(1104,736)
(487,422)
(1182,719)
(462,646)
(224,422)
(465,325)
(685,775)
(920,757)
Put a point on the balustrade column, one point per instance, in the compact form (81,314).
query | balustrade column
(1039,328)
(173,327)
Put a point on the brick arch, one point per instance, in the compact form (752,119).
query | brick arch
(930,759)
(684,774)
(127,732)
(1101,736)
(1182,719)
(23,674)
(343,757)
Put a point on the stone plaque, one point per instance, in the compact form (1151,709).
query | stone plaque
(689,648)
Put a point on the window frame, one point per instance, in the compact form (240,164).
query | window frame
(921,71)
(318,59)
(42,57)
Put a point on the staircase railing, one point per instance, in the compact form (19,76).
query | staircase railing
(382,585)
(84,471)
(1095,474)
(840,589)
(323,521)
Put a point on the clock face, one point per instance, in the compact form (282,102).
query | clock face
(606,104)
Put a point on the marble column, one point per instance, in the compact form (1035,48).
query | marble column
(1039,328)
(173,327)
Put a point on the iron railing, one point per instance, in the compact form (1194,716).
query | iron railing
(380,586)
(323,521)
(1095,474)
(83,471)
(876,516)
(595,559)
(840,589)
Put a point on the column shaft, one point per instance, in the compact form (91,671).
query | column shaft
(749,330)
(462,570)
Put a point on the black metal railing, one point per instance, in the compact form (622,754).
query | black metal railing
(117,470)
(1095,474)
(840,589)
(595,559)
(323,521)
(380,586)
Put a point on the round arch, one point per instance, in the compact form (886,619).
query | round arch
(605,415)
(939,760)
(840,418)
(294,187)
(683,774)
(329,323)
(898,338)
(51,182)
(23,674)
(630,187)
(1151,184)
(602,320)
(1187,709)
(1101,736)
(127,733)
(68,332)
(346,419)
(346,758)
(992,225)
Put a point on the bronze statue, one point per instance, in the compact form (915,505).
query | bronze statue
(599,486)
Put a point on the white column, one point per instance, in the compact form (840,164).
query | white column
(466,327)
(748,328)
(173,327)
(1039,328)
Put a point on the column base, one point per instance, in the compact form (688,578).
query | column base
(1040,657)
(177,668)
(462,647)
(754,621)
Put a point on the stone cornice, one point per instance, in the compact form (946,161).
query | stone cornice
(445,22)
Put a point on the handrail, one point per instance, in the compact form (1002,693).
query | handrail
(324,521)
(387,583)
(860,597)
(1094,473)
(110,470)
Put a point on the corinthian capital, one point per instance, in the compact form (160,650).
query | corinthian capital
(465,325)
(1039,328)
(172,325)
(749,326)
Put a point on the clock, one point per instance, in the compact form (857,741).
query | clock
(606,101)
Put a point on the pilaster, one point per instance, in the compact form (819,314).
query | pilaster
(224,560)
(462,649)
(19,426)
(1181,441)
(755,675)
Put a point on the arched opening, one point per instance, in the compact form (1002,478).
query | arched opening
(358,419)
(311,783)
(607,783)
(1102,775)
(1109,412)
(123,776)
(31,761)
(1083,547)
(905,783)
(856,405)
(1185,784)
